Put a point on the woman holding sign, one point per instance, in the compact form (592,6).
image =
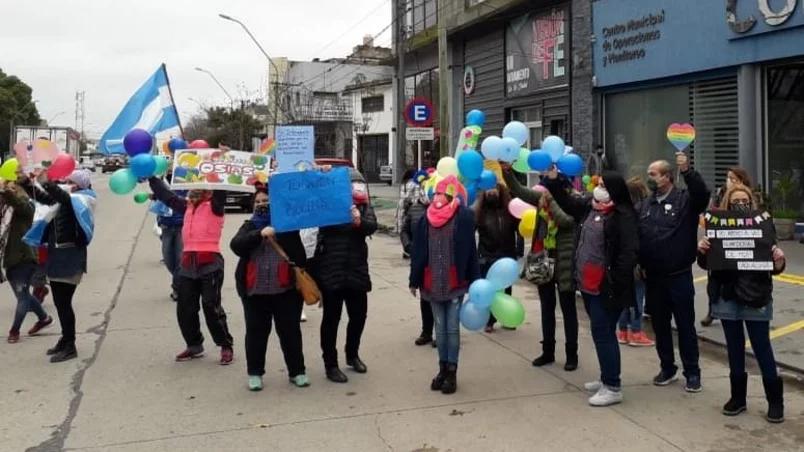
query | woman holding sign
(745,298)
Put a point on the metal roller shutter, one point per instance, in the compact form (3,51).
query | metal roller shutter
(713,111)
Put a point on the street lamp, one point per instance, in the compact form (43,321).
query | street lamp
(231,101)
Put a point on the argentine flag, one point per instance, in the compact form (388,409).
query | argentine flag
(150,108)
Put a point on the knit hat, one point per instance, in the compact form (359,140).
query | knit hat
(80,178)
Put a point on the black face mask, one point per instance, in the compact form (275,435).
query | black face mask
(261,210)
(742,208)
(492,200)
(652,185)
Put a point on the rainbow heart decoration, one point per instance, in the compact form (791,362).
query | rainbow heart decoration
(681,135)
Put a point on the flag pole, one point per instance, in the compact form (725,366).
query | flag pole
(172,100)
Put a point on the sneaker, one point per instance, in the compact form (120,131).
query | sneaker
(255,383)
(67,352)
(622,336)
(190,353)
(592,386)
(227,356)
(13,337)
(693,384)
(423,339)
(640,339)
(303,316)
(300,381)
(489,329)
(606,396)
(40,293)
(40,325)
(664,379)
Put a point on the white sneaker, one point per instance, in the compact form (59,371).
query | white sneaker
(592,386)
(605,397)
(303,316)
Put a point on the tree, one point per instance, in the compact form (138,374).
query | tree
(219,125)
(16,107)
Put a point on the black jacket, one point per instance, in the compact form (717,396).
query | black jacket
(668,230)
(620,230)
(413,214)
(341,255)
(64,230)
(498,232)
(248,238)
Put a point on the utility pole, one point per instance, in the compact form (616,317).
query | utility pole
(80,112)
(444,81)
(399,16)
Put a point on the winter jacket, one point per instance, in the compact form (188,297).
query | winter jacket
(465,259)
(16,251)
(414,213)
(668,230)
(203,224)
(63,231)
(498,235)
(621,238)
(341,255)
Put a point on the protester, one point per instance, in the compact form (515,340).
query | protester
(407,197)
(265,284)
(555,235)
(171,226)
(631,318)
(416,211)
(66,224)
(734,175)
(19,261)
(201,270)
(668,233)
(443,265)
(735,314)
(341,270)
(604,267)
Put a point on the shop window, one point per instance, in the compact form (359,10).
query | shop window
(372,104)
(785,135)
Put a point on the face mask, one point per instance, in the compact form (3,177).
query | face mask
(652,185)
(261,210)
(601,194)
(742,208)
(492,200)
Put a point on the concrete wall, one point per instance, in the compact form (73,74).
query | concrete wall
(379,122)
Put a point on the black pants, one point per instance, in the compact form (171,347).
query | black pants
(284,309)
(547,300)
(63,299)
(427,318)
(207,289)
(668,298)
(759,334)
(357,307)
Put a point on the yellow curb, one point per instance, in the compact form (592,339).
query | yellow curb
(778,332)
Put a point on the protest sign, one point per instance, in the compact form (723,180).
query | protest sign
(217,169)
(37,154)
(306,199)
(740,241)
(294,148)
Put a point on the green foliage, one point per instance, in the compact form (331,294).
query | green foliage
(16,105)
(218,125)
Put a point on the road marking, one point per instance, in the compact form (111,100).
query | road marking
(791,279)
(778,332)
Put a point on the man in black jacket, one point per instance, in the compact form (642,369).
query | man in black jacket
(668,231)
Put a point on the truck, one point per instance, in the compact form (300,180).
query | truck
(66,138)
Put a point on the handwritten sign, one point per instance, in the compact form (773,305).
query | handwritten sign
(740,241)
(216,169)
(306,199)
(294,148)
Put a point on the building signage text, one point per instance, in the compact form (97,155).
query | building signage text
(628,41)
(536,52)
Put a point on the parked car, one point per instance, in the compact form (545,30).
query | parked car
(87,163)
(387,174)
(113,163)
(334,162)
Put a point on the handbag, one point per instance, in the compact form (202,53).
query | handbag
(539,267)
(305,283)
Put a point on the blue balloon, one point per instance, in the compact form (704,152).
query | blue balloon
(492,147)
(481,293)
(176,144)
(137,141)
(554,146)
(539,160)
(142,165)
(471,193)
(475,118)
(510,150)
(570,165)
(473,317)
(503,273)
(518,131)
(470,164)
(488,180)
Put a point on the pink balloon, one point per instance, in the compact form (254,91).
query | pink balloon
(517,207)
(62,166)
(540,188)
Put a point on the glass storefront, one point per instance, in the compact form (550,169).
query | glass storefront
(424,85)
(785,136)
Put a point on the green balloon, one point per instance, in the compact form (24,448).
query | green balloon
(508,310)
(141,198)
(122,181)
(521,166)
(586,179)
(161,165)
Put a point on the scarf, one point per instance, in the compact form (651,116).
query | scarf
(261,220)
(6,213)
(441,210)
(83,204)
(604,207)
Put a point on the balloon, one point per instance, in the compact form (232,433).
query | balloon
(470,164)
(539,160)
(471,193)
(481,293)
(138,141)
(554,146)
(161,165)
(122,181)
(517,207)
(510,150)
(176,144)
(141,198)
(488,180)
(199,144)
(8,171)
(595,180)
(570,164)
(568,150)
(508,310)
(590,187)
(540,188)
(475,118)
(527,225)
(142,165)
(521,163)
(447,166)
(586,179)
(62,166)
(473,317)
(518,131)
(503,273)
(492,147)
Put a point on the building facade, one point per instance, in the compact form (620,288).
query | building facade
(373,124)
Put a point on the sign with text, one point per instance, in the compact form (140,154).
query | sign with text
(307,199)
(419,133)
(536,51)
(419,112)
(295,148)
(217,169)
(740,241)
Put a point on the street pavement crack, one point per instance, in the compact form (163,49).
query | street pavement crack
(59,436)
(379,433)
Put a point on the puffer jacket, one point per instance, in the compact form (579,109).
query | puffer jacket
(498,236)
(17,252)
(341,256)
(414,213)
(63,230)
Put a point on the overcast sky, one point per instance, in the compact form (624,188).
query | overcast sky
(108,48)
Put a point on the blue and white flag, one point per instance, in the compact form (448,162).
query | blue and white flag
(150,108)
(83,203)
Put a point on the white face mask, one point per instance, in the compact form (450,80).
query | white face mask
(601,194)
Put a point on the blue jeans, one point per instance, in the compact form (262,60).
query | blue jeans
(759,333)
(604,334)
(172,247)
(19,278)
(447,329)
(668,298)
(632,317)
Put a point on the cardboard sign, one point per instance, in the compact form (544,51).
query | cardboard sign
(295,148)
(306,199)
(216,169)
(740,241)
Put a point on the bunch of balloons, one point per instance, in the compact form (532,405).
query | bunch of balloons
(142,164)
(554,151)
(61,167)
(486,297)
(590,182)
